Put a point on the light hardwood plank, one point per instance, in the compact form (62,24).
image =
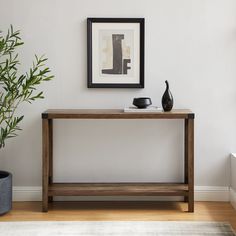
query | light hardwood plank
(112,211)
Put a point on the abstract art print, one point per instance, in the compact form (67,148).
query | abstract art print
(115,52)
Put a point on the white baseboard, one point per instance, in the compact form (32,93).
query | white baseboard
(27,193)
(202,193)
(233,197)
(212,193)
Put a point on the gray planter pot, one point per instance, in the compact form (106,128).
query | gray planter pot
(5,192)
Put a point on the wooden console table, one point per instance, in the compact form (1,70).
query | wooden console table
(51,189)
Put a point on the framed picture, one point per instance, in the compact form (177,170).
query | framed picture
(115,52)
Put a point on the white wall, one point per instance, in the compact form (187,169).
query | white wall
(191,43)
(233,171)
(233,180)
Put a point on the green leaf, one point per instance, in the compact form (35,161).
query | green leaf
(14,88)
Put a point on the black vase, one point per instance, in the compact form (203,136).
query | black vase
(167,99)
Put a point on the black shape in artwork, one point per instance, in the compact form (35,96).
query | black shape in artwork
(118,57)
(125,66)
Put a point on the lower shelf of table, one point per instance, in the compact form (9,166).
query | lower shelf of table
(118,189)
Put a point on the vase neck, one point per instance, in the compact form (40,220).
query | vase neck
(167,84)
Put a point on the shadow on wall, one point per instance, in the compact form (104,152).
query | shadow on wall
(98,151)
(105,151)
(22,155)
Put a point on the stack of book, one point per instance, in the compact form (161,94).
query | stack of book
(148,109)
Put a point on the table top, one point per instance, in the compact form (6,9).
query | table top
(115,114)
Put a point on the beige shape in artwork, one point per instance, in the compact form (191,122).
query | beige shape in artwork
(125,51)
(107,62)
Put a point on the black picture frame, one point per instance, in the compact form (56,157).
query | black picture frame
(90,80)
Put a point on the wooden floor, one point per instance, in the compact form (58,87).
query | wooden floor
(111,211)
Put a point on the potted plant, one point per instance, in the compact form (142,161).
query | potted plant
(15,89)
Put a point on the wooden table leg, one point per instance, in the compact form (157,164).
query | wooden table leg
(45,180)
(186,155)
(190,154)
(50,198)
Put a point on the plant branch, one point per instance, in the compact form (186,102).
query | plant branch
(16,89)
